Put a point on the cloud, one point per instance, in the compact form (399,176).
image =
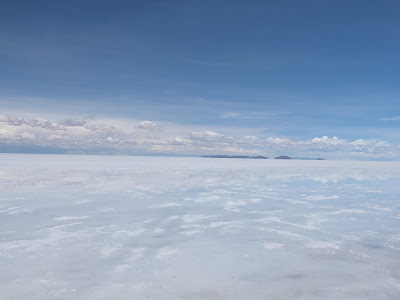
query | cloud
(230,115)
(251,115)
(128,136)
(147,125)
(328,141)
(391,119)
(382,144)
(178,141)
(206,136)
(27,135)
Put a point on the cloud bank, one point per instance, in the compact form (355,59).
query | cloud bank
(127,136)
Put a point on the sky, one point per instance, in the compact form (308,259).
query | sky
(300,78)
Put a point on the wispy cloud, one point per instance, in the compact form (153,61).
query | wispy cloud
(390,119)
(231,115)
(210,63)
(251,115)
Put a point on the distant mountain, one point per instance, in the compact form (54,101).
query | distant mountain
(261,157)
(309,158)
(235,156)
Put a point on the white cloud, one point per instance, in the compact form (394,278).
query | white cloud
(206,135)
(27,135)
(178,141)
(132,136)
(278,141)
(57,137)
(360,142)
(329,141)
(382,144)
(147,125)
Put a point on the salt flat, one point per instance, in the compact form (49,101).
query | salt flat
(104,227)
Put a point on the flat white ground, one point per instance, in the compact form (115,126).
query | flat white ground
(102,227)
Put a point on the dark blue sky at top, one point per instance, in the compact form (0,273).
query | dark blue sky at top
(297,68)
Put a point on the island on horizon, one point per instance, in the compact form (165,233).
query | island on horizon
(235,156)
(283,157)
(260,157)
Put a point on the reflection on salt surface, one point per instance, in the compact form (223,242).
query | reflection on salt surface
(194,228)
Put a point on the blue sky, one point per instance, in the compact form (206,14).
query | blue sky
(288,70)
